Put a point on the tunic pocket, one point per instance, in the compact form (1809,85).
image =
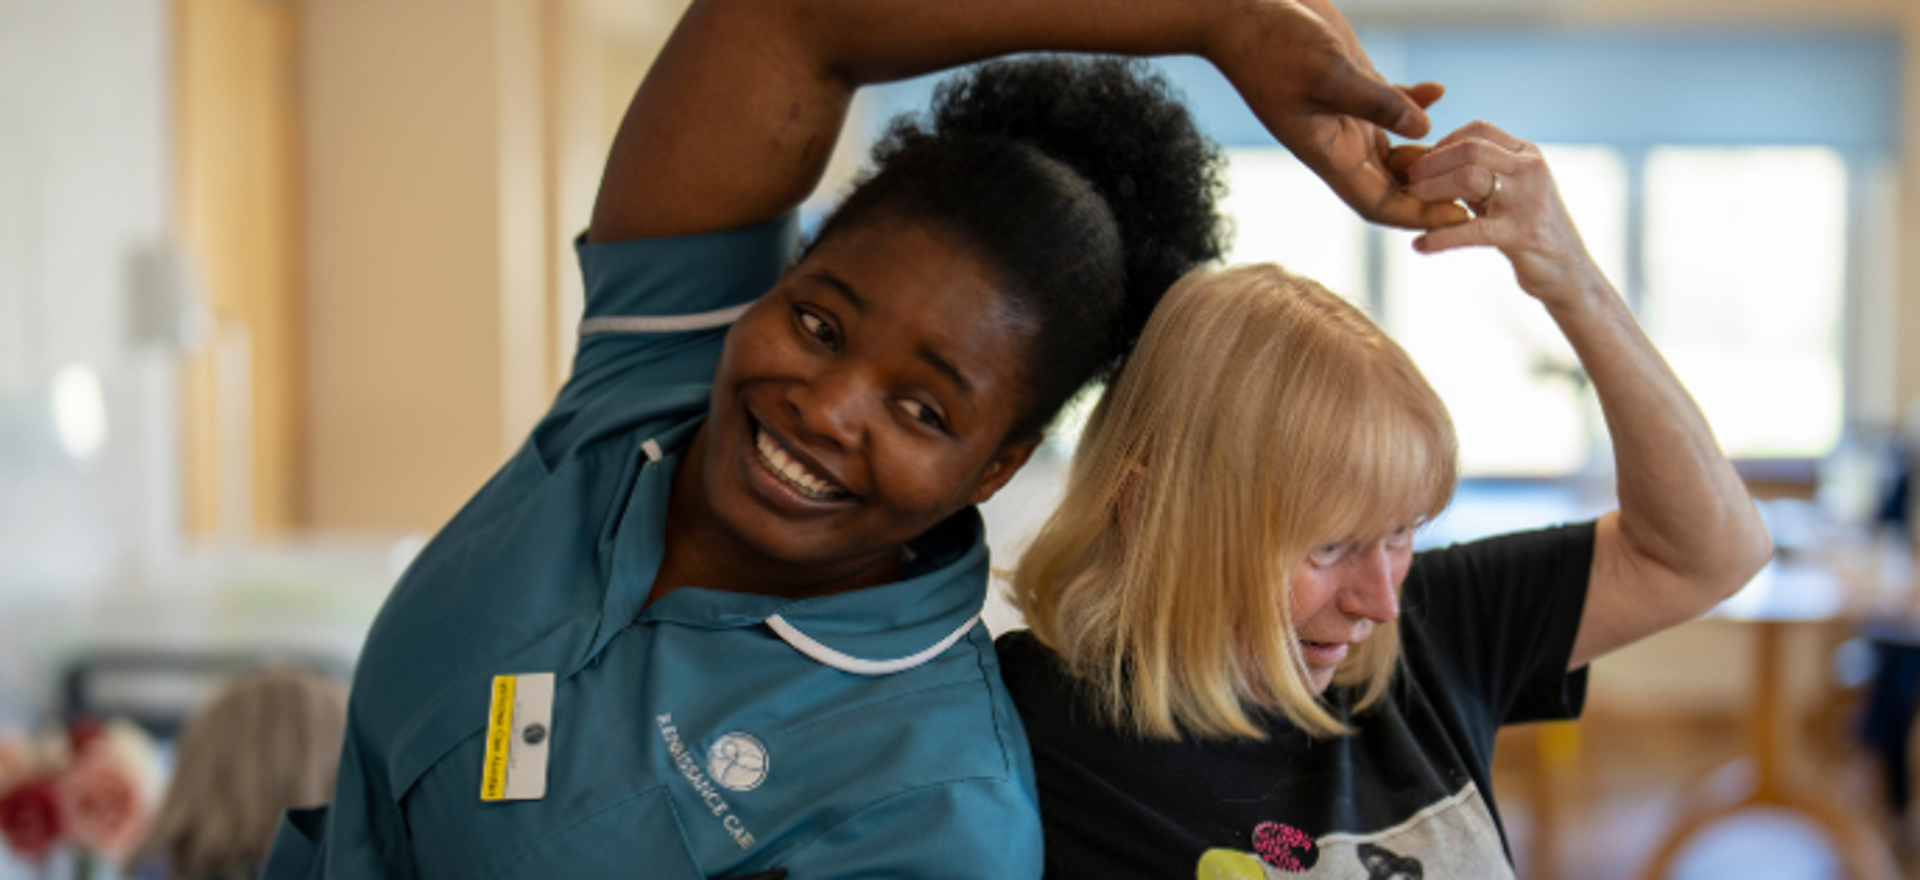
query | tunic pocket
(637,836)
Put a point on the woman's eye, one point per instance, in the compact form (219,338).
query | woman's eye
(1401,538)
(817,327)
(923,414)
(1325,554)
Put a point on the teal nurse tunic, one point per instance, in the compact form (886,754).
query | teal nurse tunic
(712,734)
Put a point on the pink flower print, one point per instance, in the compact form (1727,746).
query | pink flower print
(1285,847)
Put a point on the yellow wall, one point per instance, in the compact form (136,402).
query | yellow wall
(428,329)
(454,149)
(237,135)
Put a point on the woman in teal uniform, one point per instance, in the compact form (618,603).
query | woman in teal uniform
(718,616)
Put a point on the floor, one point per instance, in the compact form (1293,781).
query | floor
(1621,788)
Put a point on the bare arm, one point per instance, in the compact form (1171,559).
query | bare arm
(735,121)
(1686,535)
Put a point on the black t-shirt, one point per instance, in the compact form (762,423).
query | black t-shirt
(1487,629)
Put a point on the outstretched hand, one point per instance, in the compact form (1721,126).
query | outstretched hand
(1300,68)
(1516,208)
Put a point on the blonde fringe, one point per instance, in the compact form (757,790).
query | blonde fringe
(1260,416)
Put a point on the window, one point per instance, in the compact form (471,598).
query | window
(1509,378)
(1745,297)
(1745,270)
(1280,212)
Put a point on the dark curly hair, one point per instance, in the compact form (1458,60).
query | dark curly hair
(1081,181)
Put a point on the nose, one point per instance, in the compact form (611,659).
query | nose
(830,406)
(1370,590)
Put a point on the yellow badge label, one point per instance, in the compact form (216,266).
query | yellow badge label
(493,775)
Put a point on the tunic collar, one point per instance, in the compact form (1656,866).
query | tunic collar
(876,631)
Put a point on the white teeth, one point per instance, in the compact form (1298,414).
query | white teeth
(793,472)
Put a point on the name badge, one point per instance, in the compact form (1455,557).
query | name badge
(519,733)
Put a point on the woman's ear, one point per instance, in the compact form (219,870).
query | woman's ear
(1004,465)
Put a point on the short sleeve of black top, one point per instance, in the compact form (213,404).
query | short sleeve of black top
(1487,629)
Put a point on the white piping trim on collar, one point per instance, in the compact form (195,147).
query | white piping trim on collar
(805,644)
(663,323)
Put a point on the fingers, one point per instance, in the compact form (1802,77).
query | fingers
(1481,232)
(1378,193)
(1355,92)
(1437,215)
(1446,158)
(1468,183)
(1401,158)
(1395,208)
(1425,94)
(1374,191)
(1483,130)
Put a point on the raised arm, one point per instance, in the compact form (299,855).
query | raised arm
(734,123)
(1686,535)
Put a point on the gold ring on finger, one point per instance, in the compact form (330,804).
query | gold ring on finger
(1486,203)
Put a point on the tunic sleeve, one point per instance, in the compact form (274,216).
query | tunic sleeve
(1499,617)
(360,836)
(646,292)
(657,314)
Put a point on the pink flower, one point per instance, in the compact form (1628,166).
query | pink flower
(30,818)
(107,796)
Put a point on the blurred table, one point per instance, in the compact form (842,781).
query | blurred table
(1783,596)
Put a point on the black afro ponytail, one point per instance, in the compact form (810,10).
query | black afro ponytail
(1081,181)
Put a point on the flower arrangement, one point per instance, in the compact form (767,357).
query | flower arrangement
(93,786)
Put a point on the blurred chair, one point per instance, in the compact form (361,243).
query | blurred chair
(159,689)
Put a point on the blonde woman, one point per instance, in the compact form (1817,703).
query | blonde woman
(268,741)
(1238,667)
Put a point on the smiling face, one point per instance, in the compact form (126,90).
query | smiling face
(862,400)
(1340,592)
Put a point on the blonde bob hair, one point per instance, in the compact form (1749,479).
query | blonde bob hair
(1259,417)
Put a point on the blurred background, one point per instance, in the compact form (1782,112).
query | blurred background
(283,282)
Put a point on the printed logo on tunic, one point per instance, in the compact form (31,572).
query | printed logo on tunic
(1454,837)
(737,762)
(683,760)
